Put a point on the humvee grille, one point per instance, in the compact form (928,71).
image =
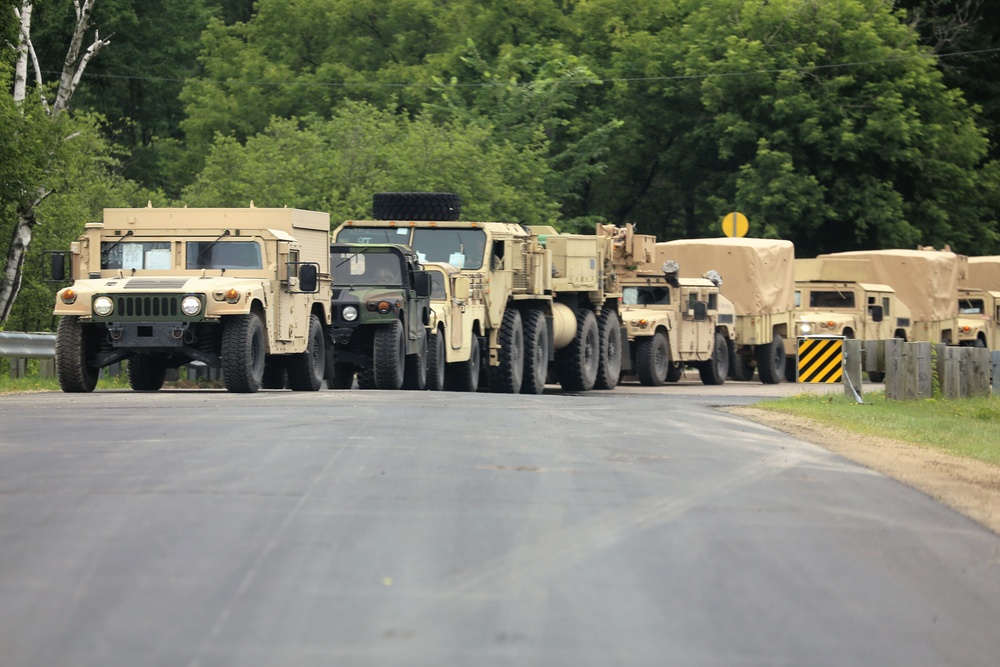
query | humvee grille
(147,308)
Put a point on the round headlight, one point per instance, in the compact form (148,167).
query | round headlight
(103,306)
(190,305)
(350,313)
(805,328)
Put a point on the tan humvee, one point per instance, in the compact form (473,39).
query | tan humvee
(670,322)
(244,290)
(758,278)
(979,303)
(925,280)
(456,320)
(539,302)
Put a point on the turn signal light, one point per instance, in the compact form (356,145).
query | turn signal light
(232,295)
(68,296)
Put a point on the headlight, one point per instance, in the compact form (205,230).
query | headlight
(350,313)
(103,306)
(805,328)
(190,305)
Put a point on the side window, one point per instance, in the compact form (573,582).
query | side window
(885,305)
(713,301)
(798,299)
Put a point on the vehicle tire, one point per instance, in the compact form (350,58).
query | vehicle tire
(675,371)
(579,360)
(536,357)
(275,372)
(715,370)
(146,372)
(416,206)
(76,343)
(771,360)
(464,375)
(389,358)
(366,379)
(652,359)
(306,369)
(740,366)
(415,375)
(436,361)
(609,366)
(506,376)
(876,376)
(243,352)
(792,369)
(341,376)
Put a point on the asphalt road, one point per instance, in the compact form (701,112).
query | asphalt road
(634,527)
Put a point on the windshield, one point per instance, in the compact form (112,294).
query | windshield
(154,255)
(645,296)
(366,268)
(437,286)
(819,299)
(223,255)
(462,248)
(971,306)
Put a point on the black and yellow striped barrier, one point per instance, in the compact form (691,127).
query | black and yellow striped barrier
(821,359)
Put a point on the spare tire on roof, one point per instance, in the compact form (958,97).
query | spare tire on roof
(416,206)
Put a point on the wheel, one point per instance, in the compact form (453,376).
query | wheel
(791,370)
(506,376)
(876,376)
(715,369)
(609,366)
(464,375)
(340,376)
(435,361)
(536,348)
(146,372)
(652,359)
(389,358)
(415,375)
(579,360)
(306,369)
(675,370)
(275,372)
(771,360)
(416,206)
(366,379)
(243,353)
(740,366)
(75,344)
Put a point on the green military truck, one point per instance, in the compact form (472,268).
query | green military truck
(381,309)
(246,290)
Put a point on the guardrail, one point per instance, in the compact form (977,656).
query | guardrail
(27,345)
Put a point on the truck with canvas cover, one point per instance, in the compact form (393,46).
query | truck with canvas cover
(758,277)
(246,290)
(549,300)
(670,322)
(979,303)
(925,280)
(381,308)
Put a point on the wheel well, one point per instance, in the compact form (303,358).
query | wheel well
(848,332)
(900,334)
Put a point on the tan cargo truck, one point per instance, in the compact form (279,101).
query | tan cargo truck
(670,322)
(925,280)
(549,301)
(758,277)
(246,290)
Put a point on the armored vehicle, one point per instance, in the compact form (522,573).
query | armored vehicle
(457,323)
(381,309)
(670,322)
(244,290)
(758,278)
(550,299)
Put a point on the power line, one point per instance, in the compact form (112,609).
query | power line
(677,77)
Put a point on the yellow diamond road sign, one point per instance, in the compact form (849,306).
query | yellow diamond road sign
(821,359)
(735,224)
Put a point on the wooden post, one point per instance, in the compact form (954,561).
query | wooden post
(979,371)
(996,372)
(852,369)
(948,370)
(894,369)
(924,372)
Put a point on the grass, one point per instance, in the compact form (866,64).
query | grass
(967,427)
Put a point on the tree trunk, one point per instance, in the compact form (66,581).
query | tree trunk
(11,283)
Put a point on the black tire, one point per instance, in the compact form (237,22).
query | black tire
(609,367)
(579,360)
(506,376)
(714,371)
(146,372)
(536,343)
(675,371)
(464,375)
(416,206)
(791,370)
(771,360)
(306,369)
(275,372)
(415,375)
(75,344)
(741,366)
(243,352)
(341,376)
(389,358)
(876,376)
(652,359)
(366,379)
(436,361)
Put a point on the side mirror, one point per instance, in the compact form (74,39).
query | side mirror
(700,311)
(58,267)
(876,313)
(462,288)
(422,283)
(309,278)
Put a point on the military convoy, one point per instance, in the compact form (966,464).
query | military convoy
(244,290)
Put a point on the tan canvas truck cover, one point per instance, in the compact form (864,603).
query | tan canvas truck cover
(925,280)
(831,270)
(983,273)
(758,275)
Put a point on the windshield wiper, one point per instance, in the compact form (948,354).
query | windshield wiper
(204,250)
(106,251)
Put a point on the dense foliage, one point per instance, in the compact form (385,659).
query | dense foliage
(855,124)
